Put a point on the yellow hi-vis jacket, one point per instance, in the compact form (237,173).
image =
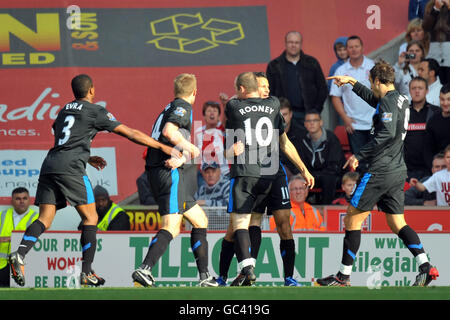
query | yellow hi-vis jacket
(109,216)
(6,228)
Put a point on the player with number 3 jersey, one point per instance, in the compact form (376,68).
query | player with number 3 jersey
(63,174)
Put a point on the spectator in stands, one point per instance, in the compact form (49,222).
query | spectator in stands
(214,192)
(322,154)
(210,137)
(304,217)
(297,77)
(416,9)
(295,133)
(144,191)
(110,215)
(18,217)
(436,21)
(415,32)
(354,112)
(407,65)
(348,185)
(421,111)
(340,50)
(439,182)
(414,197)
(429,70)
(438,126)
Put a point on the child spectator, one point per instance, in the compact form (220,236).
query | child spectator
(439,182)
(340,50)
(349,181)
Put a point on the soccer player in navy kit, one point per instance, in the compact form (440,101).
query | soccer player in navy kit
(384,180)
(259,124)
(278,204)
(63,174)
(174,189)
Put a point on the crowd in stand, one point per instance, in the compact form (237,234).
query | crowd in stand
(296,78)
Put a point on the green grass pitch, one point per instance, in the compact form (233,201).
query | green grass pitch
(229,293)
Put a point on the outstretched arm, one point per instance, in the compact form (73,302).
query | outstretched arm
(171,132)
(362,91)
(414,182)
(141,138)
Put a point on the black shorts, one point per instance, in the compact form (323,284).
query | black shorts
(384,190)
(190,186)
(58,189)
(277,199)
(247,192)
(166,188)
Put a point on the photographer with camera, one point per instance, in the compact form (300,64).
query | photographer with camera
(407,66)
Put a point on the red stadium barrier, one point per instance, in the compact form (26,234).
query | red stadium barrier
(421,219)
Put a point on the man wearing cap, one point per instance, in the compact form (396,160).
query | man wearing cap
(216,188)
(110,215)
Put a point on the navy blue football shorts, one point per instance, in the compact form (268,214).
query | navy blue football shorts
(246,193)
(166,187)
(58,189)
(384,190)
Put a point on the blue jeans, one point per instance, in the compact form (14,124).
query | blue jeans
(358,139)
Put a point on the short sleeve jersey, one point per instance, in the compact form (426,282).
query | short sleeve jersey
(74,128)
(258,123)
(178,112)
(439,182)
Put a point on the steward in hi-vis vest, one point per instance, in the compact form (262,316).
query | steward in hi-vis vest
(18,217)
(110,215)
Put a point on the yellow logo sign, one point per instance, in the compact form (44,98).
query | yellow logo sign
(168,32)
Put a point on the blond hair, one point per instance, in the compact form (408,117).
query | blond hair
(415,24)
(184,85)
(352,175)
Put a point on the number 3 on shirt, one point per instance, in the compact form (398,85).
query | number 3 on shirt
(70,120)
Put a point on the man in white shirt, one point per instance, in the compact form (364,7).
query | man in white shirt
(355,113)
(439,182)
(429,70)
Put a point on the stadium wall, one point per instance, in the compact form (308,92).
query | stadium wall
(133,50)
(383,260)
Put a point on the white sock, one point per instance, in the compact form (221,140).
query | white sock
(347,270)
(421,259)
(246,262)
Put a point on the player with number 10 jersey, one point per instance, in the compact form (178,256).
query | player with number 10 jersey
(259,123)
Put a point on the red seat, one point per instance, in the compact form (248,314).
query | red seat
(341,134)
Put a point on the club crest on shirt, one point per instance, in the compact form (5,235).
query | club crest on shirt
(111,117)
(386,117)
(179,111)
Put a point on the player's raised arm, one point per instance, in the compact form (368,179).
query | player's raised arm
(362,91)
(341,80)
(289,150)
(141,138)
